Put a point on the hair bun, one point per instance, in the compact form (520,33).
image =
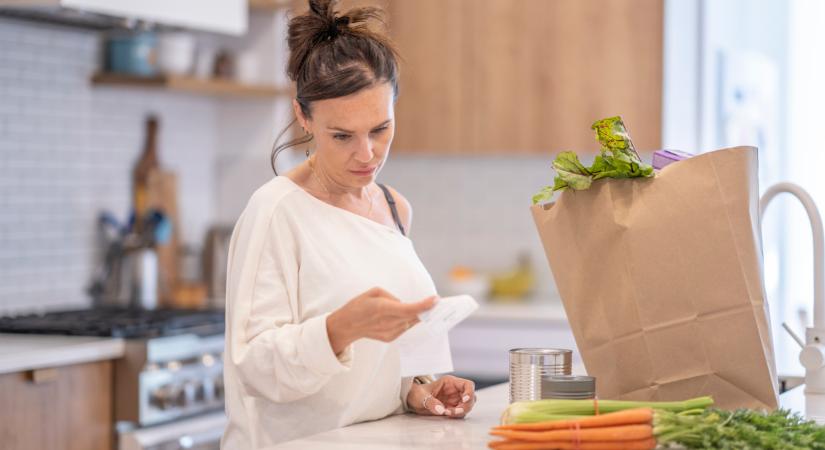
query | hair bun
(323,8)
(329,25)
(322,24)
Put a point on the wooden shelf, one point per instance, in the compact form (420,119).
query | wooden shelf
(269,5)
(216,87)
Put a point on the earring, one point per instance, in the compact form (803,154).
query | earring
(307,152)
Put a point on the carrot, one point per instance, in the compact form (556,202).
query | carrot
(641,444)
(618,433)
(626,417)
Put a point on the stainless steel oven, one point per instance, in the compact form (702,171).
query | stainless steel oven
(169,383)
(201,432)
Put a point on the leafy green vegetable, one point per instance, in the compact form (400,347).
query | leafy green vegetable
(617,159)
(742,429)
(613,136)
(572,172)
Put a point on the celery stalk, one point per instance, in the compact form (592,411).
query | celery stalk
(551,409)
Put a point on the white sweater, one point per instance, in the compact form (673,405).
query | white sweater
(293,259)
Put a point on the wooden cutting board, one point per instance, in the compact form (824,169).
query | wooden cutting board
(163,195)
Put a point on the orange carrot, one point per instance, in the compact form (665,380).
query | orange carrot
(641,444)
(618,433)
(626,417)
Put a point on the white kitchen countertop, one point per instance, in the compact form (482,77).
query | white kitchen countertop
(534,310)
(20,352)
(410,431)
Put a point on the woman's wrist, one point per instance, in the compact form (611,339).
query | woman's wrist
(338,332)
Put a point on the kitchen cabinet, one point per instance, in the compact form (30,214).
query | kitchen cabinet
(225,16)
(59,408)
(525,76)
(268,5)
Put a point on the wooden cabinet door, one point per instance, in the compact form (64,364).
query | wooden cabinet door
(65,408)
(431,113)
(526,76)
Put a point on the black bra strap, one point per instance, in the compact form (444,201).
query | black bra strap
(393,208)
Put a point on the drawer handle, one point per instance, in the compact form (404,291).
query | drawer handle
(42,376)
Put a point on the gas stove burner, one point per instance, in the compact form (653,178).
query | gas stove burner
(118,322)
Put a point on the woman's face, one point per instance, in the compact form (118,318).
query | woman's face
(352,134)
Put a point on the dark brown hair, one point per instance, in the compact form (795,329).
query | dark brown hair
(333,55)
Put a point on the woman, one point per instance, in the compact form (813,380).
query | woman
(322,278)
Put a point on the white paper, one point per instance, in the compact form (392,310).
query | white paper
(447,313)
(425,348)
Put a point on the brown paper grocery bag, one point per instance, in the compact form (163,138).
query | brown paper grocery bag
(661,281)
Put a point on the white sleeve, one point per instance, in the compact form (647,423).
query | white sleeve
(275,355)
(406,385)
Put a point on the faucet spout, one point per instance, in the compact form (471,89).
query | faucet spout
(818,241)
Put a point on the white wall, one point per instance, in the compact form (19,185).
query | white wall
(66,152)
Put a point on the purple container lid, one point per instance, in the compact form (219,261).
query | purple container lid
(662,158)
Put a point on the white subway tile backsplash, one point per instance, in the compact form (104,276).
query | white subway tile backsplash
(481,217)
(66,152)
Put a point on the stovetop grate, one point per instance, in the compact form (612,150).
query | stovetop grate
(118,322)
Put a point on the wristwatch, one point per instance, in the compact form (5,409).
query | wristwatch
(423,379)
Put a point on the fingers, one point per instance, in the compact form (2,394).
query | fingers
(435,407)
(407,311)
(422,400)
(458,394)
(394,328)
(416,308)
(468,390)
(466,405)
(380,292)
(400,308)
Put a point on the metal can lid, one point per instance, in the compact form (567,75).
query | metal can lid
(568,384)
(541,356)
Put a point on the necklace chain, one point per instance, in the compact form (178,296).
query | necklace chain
(324,186)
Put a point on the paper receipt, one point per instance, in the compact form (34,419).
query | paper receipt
(425,348)
(447,313)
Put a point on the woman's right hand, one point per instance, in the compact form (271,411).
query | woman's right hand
(375,314)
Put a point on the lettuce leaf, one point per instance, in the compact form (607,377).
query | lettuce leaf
(617,159)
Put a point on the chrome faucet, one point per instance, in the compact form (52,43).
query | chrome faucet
(812,355)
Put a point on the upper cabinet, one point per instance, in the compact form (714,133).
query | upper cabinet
(523,76)
(221,16)
(504,76)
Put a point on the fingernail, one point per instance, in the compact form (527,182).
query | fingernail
(459,410)
(439,409)
(465,399)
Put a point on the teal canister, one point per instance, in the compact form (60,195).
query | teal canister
(132,53)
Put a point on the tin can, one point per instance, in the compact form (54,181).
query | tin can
(572,387)
(528,366)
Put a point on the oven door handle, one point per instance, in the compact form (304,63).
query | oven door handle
(193,440)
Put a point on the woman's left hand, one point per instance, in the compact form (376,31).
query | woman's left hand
(447,396)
